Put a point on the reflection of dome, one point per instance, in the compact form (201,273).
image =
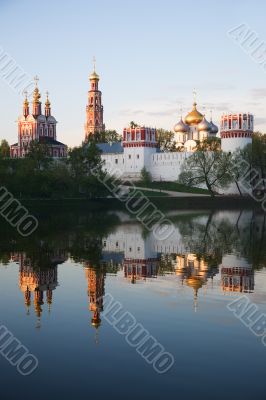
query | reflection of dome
(194,282)
(181,127)
(214,128)
(96,320)
(194,117)
(204,125)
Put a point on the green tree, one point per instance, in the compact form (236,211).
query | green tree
(4,149)
(108,136)
(145,176)
(133,124)
(86,168)
(259,155)
(207,166)
(165,140)
(39,153)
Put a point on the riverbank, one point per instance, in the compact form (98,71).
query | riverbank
(184,202)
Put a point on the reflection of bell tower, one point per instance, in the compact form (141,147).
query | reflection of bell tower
(95,279)
(37,281)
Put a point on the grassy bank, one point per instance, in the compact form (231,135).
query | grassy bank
(162,202)
(173,186)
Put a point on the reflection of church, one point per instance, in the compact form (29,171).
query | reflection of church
(194,272)
(37,283)
(236,275)
(95,279)
(138,269)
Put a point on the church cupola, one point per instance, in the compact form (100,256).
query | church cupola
(26,110)
(36,104)
(47,106)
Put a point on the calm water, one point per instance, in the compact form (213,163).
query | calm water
(178,289)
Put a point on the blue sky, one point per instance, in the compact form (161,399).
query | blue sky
(150,55)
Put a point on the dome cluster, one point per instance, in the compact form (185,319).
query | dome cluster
(195,119)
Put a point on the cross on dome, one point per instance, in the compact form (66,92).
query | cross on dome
(194,95)
(36,79)
(94,64)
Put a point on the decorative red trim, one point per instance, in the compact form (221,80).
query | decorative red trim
(236,134)
(140,144)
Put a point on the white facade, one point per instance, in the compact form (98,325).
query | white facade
(236,131)
(126,160)
(139,147)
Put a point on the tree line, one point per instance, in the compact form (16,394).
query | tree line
(39,176)
(210,166)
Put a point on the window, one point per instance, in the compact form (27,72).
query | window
(138,156)
(129,156)
(116,161)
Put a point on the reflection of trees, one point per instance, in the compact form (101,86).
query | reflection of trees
(212,236)
(78,234)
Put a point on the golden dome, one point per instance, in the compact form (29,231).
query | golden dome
(194,117)
(194,282)
(94,75)
(36,95)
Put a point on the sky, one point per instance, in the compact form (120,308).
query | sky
(150,56)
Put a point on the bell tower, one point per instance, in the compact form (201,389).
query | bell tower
(94,110)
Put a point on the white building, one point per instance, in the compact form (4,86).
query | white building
(236,131)
(139,148)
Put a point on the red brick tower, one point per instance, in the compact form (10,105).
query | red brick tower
(94,110)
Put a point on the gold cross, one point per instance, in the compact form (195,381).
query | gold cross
(36,80)
(194,95)
(94,63)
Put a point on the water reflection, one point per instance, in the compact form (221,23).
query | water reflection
(227,245)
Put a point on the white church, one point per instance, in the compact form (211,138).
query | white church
(139,147)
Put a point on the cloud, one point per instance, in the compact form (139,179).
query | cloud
(260,120)
(258,93)
(160,113)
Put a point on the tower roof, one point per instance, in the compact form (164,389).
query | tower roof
(94,75)
(194,117)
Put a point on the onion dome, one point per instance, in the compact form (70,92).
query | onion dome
(214,128)
(96,320)
(26,101)
(47,102)
(36,95)
(94,76)
(181,127)
(194,117)
(204,125)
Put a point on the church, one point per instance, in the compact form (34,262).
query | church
(38,127)
(139,147)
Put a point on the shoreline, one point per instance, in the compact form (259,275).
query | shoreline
(184,202)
